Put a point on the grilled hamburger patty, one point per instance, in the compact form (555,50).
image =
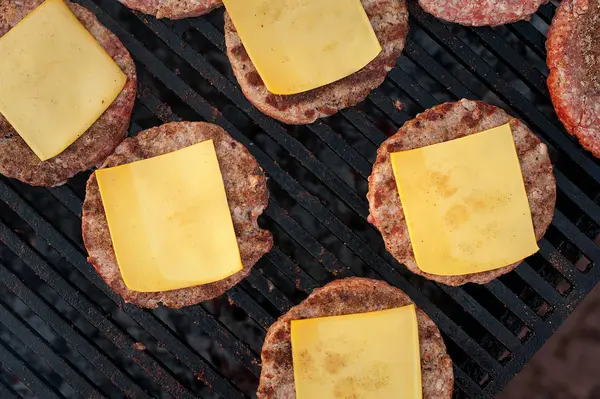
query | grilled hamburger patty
(247,195)
(390,22)
(482,12)
(574,63)
(350,296)
(99,141)
(443,123)
(173,9)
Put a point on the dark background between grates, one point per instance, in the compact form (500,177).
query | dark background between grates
(64,333)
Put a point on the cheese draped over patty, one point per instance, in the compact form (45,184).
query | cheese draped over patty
(366,355)
(299,45)
(169,220)
(465,203)
(55,79)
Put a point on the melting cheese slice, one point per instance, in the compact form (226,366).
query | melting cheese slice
(299,45)
(55,79)
(465,203)
(169,220)
(368,355)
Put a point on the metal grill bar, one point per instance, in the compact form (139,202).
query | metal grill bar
(517,307)
(304,282)
(520,66)
(94,317)
(268,289)
(531,36)
(546,12)
(560,263)
(540,285)
(254,310)
(35,344)
(52,319)
(467,385)
(479,312)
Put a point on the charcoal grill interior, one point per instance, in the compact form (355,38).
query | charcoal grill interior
(64,333)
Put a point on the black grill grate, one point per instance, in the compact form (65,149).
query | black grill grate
(64,333)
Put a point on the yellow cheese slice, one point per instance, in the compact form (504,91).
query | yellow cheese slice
(465,203)
(368,356)
(55,79)
(299,45)
(169,220)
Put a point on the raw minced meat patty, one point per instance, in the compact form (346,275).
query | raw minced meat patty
(574,61)
(482,12)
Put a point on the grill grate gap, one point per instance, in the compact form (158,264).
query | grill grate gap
(68,224)
(505,357)
(459,394)
(289,246)
(144,119)
(527,294)
(261,299)
(532,51)
(66,313)
(14,383)
(495,307)
(33,329)
(525,334)
(575,214)
(288,286)
(469,324)
(201,343)
(32,362)
(11,387)
(464,362)
(64,328)
(584,264)
(568,249)
(551,275)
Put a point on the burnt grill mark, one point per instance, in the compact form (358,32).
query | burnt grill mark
(240,52)
(470,119)
(310,114)
(253,78)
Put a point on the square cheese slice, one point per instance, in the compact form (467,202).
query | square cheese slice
(55,79)
(169,220)
(367,355)
(299,45)
(465,203)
